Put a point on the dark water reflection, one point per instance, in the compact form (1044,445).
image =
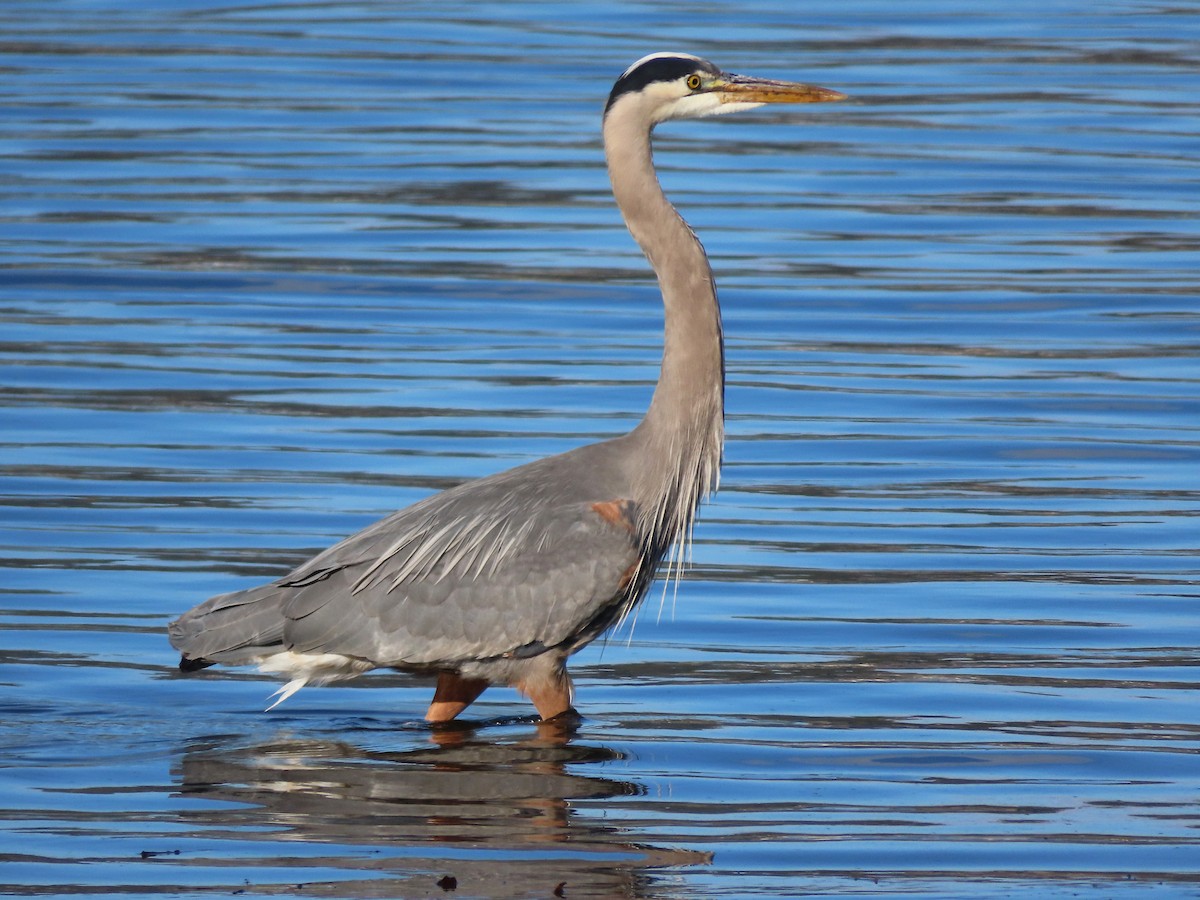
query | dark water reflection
(491,817)
(269,272)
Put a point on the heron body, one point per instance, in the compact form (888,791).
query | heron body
(499,580)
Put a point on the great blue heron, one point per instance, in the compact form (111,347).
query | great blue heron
(500,579)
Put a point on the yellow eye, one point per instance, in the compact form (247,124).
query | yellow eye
(693,82)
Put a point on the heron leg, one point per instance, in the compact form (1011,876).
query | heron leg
(550,689)
(452,695)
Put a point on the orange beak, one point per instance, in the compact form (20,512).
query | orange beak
(746,89)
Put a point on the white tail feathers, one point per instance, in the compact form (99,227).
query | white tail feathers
(286,691)
(305,668)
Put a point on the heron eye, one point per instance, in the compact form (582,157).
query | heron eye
(693,82)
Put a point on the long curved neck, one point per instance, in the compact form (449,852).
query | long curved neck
(683,430)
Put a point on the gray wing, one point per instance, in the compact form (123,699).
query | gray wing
(511,564)
(235,628)
(518,586)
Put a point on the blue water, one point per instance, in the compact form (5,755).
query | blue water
(269,272)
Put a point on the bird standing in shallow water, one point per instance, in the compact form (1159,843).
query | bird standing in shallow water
(501,579)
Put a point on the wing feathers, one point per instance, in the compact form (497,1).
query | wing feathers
(529,557)
(472,595)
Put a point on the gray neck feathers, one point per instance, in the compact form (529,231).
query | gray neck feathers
(680,440)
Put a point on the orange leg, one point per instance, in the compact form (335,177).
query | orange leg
(550,692)
(452,695)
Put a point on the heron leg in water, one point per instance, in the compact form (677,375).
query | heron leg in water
(452,695)
(548,684)
(543,679)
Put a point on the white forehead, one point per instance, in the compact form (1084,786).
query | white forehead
(650,56)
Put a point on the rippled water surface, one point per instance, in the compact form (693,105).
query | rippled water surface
(269,272)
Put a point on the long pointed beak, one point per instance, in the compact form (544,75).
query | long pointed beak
(747,89)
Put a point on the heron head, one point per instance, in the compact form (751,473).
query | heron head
(681,86)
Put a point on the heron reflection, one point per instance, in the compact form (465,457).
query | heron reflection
(502,817)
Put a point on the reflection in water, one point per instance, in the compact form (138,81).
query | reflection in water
(496,816)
